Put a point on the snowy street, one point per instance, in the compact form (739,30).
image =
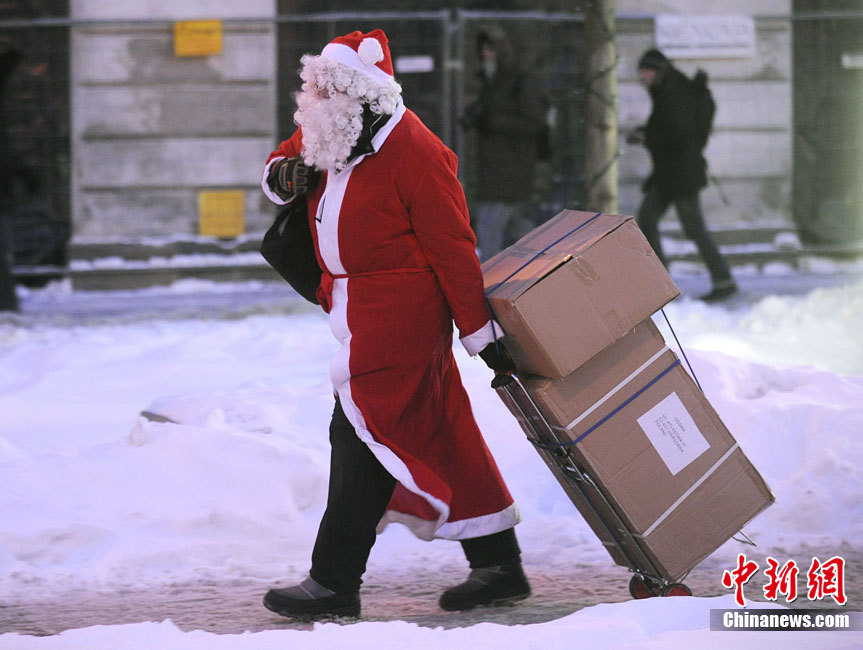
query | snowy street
(195,298)
(391,594)
(167,535)
(579,362)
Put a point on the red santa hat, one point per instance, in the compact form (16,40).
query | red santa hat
(365,53)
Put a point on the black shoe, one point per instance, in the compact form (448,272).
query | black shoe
(304,601)
(720,292)
(488,586)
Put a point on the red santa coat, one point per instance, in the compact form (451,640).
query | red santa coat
(392,235)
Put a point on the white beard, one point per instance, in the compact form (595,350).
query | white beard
(331,127)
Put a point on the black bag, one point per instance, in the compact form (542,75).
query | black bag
(289,249)
(705,107)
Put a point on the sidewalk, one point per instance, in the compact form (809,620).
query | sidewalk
(124,265)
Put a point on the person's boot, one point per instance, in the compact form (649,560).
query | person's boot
(494,585)
(720,291)
(310,600)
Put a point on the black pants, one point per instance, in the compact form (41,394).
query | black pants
(359,492)
(688,209)
(8,297)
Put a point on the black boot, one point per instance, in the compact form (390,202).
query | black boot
(720,291)
(310,600)
(494,585)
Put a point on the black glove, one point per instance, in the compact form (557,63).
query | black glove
(291,177)
(497,358)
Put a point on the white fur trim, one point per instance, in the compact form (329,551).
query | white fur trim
(424,529)
(488,333)
(327,219)
(341,382)
(462,529)
(393,464)
(349,57)
(340,375)
(482,525)
(327,224)
(381,136)
(370,51)
(275,198)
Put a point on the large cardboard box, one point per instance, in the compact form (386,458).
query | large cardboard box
(657,451)
(571,287)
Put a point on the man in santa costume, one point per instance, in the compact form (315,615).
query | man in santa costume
(393,240)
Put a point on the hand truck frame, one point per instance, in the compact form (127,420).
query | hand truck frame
(647,580)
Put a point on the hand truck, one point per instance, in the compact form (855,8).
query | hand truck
(647,580)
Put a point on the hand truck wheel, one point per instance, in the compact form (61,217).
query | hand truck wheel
(675,589)
(641,587)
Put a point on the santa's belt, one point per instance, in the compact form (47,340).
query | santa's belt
(325,291)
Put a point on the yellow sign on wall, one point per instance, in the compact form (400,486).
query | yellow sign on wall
(197,37)
(221,213)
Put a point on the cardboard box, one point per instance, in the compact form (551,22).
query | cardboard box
(672,473)
(571,287)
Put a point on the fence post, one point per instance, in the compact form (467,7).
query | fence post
(600,167)
(457,65)
(8,298)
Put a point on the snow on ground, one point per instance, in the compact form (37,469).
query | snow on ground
(642,625)
(95,498)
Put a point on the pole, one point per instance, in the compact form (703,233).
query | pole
(601,150)
(8,298)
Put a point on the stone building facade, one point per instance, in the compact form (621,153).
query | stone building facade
(150,130)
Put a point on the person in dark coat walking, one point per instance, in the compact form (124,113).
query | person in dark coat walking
(10,168)
(508,118)
(675,143)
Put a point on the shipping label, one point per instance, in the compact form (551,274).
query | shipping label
(672,432)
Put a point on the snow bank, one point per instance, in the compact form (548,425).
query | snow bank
(94,496)
(644,625)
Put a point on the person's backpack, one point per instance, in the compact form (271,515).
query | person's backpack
(705,107)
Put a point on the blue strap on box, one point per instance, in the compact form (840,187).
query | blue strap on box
(558,445)
(527,263)
(632,397)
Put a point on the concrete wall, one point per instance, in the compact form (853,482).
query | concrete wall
(750,152)
(150,130)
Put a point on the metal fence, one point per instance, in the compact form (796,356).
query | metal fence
(39,110)
(551,45)
(827,69)
(34,137)
(819,185)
